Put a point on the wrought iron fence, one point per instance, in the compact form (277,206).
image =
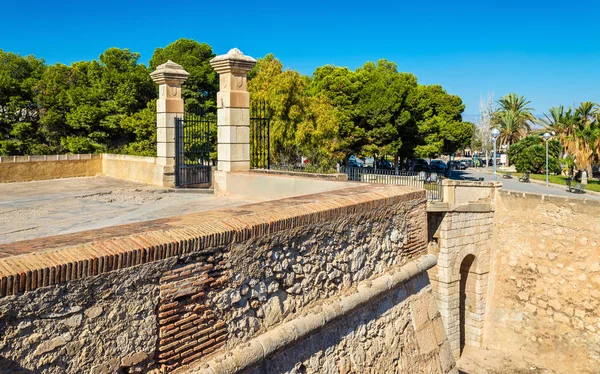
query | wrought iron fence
(260,136)
(304,168)
(192,148)
(431,182)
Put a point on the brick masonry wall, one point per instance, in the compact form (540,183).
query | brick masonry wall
(546,289)
(164,299)
(188,329)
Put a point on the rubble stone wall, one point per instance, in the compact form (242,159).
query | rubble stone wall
(164,300)
(545,295)
(401,332)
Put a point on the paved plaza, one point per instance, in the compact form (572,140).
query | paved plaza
(38,209)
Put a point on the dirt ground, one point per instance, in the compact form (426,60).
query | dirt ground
(481,361)
(38,209)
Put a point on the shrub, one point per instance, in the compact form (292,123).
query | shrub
(529,155)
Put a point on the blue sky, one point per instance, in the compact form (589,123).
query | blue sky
(548,51)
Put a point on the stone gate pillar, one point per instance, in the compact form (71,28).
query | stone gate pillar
(169,77)
(233,111)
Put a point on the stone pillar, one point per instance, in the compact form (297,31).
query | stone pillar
(169,77)
(233,111)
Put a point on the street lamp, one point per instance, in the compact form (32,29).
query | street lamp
(495,134)
(547,136)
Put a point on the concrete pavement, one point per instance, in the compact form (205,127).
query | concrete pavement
(30,210)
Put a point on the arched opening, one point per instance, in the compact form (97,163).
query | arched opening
(467,300)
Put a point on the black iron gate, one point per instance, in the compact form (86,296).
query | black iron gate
(260,136)
(192,148)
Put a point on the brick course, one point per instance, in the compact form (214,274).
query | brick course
(23,273)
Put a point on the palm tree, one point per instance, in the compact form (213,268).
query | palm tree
(513,118)
(510,127)
(579,132)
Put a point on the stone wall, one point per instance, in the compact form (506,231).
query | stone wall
(270,186)
(545,298)
(97,324)
(167,298)
(32,168)
(401,332)
(462,241)
(133,168)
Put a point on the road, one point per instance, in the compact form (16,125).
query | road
(515,185)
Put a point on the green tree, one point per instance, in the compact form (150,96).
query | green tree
(438,117)
(87,104)
(301,124)
(578,130)
(341,87)
(19,112)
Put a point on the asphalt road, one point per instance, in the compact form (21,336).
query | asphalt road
(514,184)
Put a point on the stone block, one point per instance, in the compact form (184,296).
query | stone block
(165,134)
(439,330)
(426,339)
(234,166)
(234,152)
(167,119)
(418,311)
(169,106)
(446,357)
(233,117)
(233,99)
(232,82)
(233,134)
(166,150)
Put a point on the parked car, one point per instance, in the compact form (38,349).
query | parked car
(421,165)
(438,166)
(456,165)
(469,163)
(384,165)
(355,162)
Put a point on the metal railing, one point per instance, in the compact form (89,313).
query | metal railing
(431,182)
(260,136)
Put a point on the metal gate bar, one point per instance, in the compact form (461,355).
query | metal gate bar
(192,149)
(260,136)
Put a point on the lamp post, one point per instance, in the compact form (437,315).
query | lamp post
(495,134)
(547,137)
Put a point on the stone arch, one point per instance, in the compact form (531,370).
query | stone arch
(482,261)
(467,299)
(458,235)
(471,268)
(447,278)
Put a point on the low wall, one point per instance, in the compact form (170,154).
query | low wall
(469,192)
(270,186)
(133,168)
(31,168)
(198,287)
(545,294)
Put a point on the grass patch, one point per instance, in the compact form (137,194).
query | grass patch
(593,184)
